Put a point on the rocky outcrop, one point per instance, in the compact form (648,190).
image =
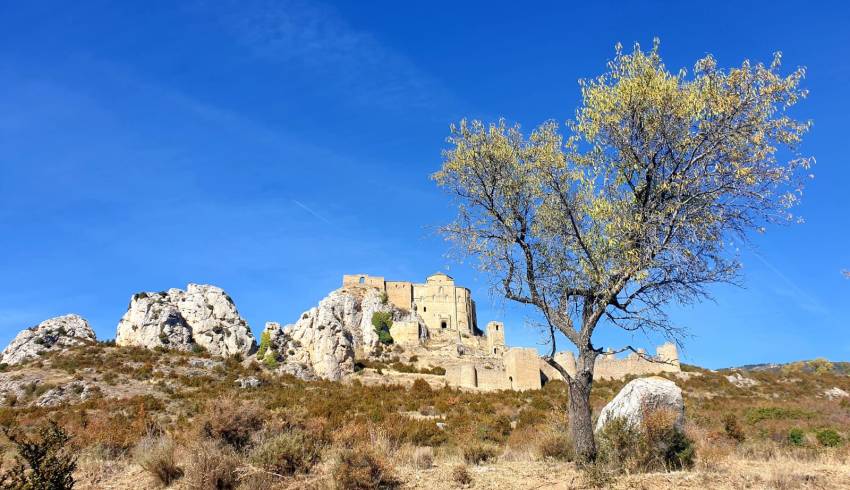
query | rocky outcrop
(642,396)
(203,316)
(51,335)
(73,392)
(323,342)
(741,381)
(248,382)
(315,346)
(835,393)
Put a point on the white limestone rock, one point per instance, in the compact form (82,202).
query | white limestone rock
(323,342)
(641,396)
(74,392)
(741,381)
(248,382)
(835,392)
(202,315)
(55,334)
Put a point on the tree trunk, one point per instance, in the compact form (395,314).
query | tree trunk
(581,423)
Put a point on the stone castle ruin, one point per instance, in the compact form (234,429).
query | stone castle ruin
(442,330)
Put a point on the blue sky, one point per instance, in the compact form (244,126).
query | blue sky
(270,147)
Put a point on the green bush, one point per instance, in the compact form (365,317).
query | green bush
(265,341)
(270,361)
(796,437)
(42,463)
(382,321)
(828,438)
(756,415)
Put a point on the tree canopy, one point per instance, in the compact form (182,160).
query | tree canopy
(633,207)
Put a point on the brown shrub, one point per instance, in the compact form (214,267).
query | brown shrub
(421,388)
(733,428)
(461,476)
(232,421)
(423,457)
(362,469)
(211,467)
(478,453)
(287,453)
(557,446)
(155,453)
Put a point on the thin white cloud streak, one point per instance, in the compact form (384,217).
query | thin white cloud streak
(317,43)
(311,211)
(803,299)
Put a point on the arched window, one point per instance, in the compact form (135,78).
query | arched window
(362,280)
(443,324)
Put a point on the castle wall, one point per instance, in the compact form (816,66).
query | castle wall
(400,294)
(492,379)
(363,280)
(609,367)
(566,360)
(522,366)
(405,332)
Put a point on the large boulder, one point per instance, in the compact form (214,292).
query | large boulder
(323,341)
(202,316)
(51,335)
(642,396)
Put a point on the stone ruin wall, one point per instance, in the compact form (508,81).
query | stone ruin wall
(526,370)
(438,300)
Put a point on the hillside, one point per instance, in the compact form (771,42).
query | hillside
(811,366)
(233,418)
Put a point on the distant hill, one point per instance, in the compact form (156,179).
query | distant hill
(819,365)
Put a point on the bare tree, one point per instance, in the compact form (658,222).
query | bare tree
(634,208)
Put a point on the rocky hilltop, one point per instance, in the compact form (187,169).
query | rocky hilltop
(202,315)
(325,339)
(51,335)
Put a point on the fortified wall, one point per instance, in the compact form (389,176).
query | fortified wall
(438,301)
(483,362)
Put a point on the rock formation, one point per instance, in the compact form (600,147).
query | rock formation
(641,396)
(50,335)
(836,393)
(324,340)
(741,381)
(202,316)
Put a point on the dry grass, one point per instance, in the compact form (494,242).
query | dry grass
(293,433)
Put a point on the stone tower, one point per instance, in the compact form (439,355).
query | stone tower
(496,337)
(668,353)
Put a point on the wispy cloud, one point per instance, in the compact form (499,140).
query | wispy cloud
(790,289)
(318,43)
(311,211)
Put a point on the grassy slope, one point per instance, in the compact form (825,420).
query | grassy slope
(137,390)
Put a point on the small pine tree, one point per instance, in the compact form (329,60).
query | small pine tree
(270,360)
(43,462)
(265,342)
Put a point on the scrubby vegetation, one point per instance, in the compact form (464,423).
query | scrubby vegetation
(181,418)
(382,321)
